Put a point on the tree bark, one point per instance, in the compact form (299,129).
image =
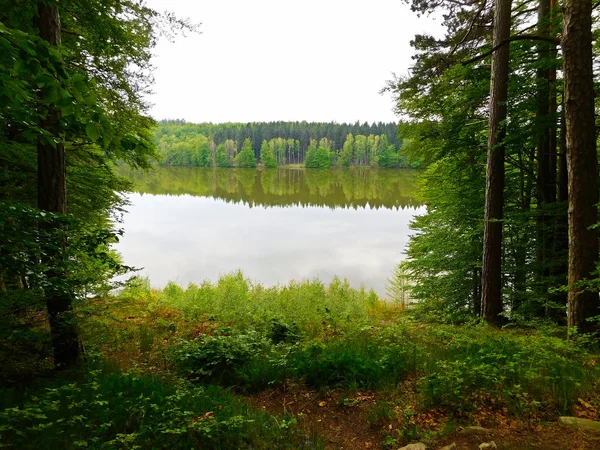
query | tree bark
(491,286)
(546,153)
(582,160)
(52,197)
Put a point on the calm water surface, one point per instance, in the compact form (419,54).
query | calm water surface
(192,224)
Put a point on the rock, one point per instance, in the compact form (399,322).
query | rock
(474,430)
(450,447)
(490,444)
(417,446)
(583,424)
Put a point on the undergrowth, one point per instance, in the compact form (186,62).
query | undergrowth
(250,337)
(184,354)
(126,410)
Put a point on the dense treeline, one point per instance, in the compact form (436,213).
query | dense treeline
(340,188)
(495,238)
(315,145)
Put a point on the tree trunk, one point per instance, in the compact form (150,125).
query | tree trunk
(476,291)
(546,154)
(491,286)
(582,160)
(52,197)
(561,227)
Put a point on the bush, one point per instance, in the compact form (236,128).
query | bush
(122,410)
(365,357)
(222,358)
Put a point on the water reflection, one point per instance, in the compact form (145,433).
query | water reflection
(275,225)
(341,188)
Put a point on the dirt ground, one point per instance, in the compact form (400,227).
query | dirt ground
(358,421)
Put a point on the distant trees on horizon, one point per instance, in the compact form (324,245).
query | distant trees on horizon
(314,145)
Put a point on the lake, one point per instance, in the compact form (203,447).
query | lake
(189,224)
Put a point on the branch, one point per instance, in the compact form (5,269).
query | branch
(72,33)
(462,41)
(521,37)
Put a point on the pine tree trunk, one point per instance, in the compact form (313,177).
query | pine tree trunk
(546,154)
(491,283)
(561,226)
(52,197)
(581,159)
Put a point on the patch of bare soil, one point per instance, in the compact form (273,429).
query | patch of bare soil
(341,419)
(358,421)
(542,437)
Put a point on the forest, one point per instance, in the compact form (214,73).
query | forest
(488,337)
(312,145)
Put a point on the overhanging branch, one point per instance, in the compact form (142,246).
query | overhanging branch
(519,37)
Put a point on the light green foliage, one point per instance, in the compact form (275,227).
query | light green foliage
(287,142)
(192,152)
(444,257)
(373,151)
(399,285)
(246,305)
(267,156)
(221,158)
(346,156)
(245,158)
(318,156)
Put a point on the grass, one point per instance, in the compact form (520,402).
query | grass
(193,351)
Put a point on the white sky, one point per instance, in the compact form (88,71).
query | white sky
(267,60)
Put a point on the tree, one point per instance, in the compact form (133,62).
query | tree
(267,157)
(582,159)
(221,157)
(318,156)
(52,197)
(82,97)
(282,137)
(310,161)
(347,153)
(245,158)
(491,290)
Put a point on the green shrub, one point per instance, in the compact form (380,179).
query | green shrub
(123,410)
(364,357)
(302,307)
(249,360)
(525,371)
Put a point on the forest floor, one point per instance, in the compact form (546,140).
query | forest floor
(345,421)
(343,388)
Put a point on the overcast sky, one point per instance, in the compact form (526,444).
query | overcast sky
(266,60)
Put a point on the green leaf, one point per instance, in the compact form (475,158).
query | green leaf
(92,130)
(90,99)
